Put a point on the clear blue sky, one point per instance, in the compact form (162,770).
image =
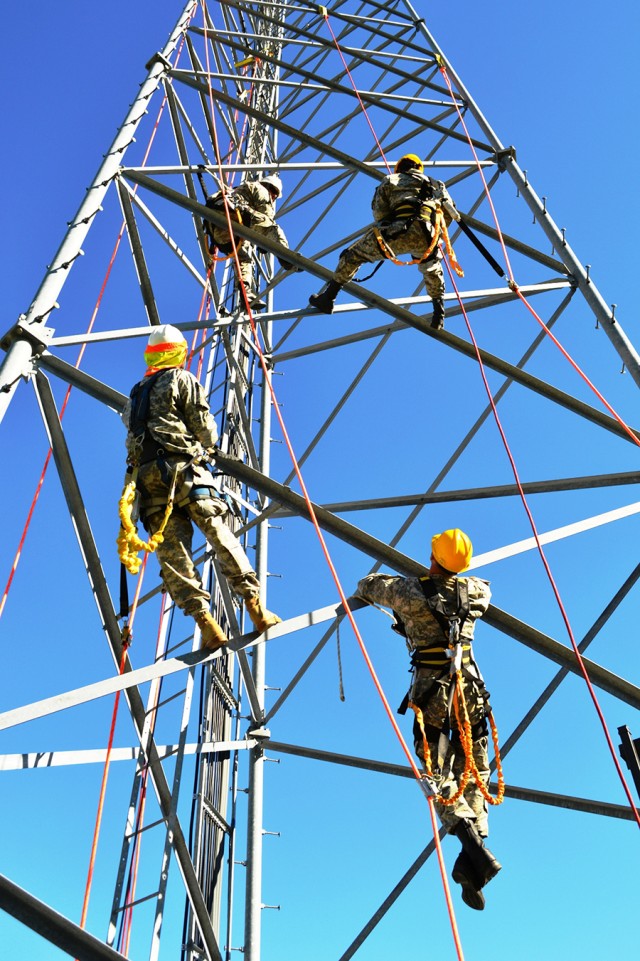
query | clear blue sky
(559,82)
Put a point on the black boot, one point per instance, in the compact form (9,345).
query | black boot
(437,318)
(485,866)
(325,298)
(464,874)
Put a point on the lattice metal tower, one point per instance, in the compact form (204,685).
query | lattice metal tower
(390,424)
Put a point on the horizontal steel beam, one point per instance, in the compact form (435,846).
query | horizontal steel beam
(480,493)
(506,623)
(381,303)
(586,805)
(132,678)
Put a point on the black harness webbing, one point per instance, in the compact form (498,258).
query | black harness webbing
(140,401)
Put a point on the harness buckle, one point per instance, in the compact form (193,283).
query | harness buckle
(426,783)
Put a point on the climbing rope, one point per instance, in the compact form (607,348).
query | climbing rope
(78,362)
(102,794)
(511,279)
(325,14)
(466,739)
(126,634)
(543,557)
(417,773)
(514,286)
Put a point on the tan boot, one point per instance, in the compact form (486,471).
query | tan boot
(261,618)
(211,634)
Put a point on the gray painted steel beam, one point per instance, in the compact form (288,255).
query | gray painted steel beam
(590,292)
(49,924)
(366,96)
(506,623)
(18,357)
(137,250)
(480,493)
(381,303)
(364,57)
(163,668)
(585,805)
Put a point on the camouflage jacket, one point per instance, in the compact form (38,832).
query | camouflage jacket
(255,197)
(400,188)
(405,595)
(179,417)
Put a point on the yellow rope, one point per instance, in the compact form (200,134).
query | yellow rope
(128,541)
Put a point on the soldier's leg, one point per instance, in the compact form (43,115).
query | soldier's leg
(433,275)
(363,251)
(179,574)
(274,232)
(246,274)
(475,865)
(209,516)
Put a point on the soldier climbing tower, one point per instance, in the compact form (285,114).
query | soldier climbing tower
(394,438)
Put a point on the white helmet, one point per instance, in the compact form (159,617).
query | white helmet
(166,334)
(273,181)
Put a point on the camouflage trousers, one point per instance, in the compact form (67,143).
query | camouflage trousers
(414,241)
(246,252)
(179,573)
(430,692)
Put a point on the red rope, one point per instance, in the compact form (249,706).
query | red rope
(92,321)
(357,92)
(514,286)
(325,551)
(126,926)
(103,790)
(543,557)
(512,282)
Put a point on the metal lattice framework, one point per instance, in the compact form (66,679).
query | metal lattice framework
(262,87)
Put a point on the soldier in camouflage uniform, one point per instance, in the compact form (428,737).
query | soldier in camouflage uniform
(403,207)
(421,618)
(166,431)
(253,203)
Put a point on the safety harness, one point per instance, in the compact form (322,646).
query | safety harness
(425,208)
(220,202)
(454,660)
(144,449)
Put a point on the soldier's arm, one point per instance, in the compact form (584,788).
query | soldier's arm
(442,194)
(380,204)
(380,589)
(479,596)
(196,412)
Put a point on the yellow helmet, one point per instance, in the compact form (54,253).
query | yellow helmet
(452,550)
(407,162)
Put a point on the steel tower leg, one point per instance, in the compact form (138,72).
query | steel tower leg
(24,337)
(253,909)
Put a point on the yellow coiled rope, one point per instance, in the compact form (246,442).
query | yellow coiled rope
(128,541)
